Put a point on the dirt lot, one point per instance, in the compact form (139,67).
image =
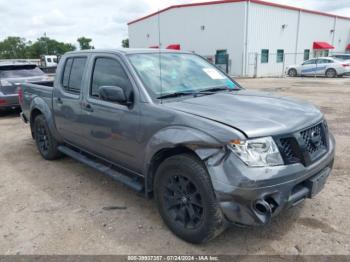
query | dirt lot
(58,207)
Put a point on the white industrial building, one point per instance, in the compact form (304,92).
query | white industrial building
(255,38)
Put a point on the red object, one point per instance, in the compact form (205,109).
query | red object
(345,65)
(347,47)
(154,46)
(236,1)
(20,95)
(322,45)
(3,102)
(174,47)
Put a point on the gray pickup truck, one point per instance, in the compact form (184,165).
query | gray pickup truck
(172,126)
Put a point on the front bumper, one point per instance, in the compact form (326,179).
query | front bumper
(251,196)
(9,101)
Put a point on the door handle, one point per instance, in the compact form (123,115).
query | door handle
(59,100)
(88,107)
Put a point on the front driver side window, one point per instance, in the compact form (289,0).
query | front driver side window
(109,72)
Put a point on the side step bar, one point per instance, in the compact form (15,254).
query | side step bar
(128,181)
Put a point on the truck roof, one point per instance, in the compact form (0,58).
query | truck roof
(128,51)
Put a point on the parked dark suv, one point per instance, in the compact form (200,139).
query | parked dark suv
(11,75)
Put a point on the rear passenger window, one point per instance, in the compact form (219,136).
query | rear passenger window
(109,72)
(73,74)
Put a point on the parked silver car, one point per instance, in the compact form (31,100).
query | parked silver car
(342,57)
(11,75)
(323,66)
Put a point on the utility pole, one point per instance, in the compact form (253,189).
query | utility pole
(47,46)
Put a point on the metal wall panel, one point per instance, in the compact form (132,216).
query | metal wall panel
(202,29)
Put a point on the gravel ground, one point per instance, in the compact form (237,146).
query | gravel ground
(60,207)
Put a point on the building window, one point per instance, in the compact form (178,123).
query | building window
(306,54)
(280,56)
(264,56)
(326,53)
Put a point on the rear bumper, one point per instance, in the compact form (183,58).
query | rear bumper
(9,101)
(252,196)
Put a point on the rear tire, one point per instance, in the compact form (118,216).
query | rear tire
(186,199)
(45,142)
(292,72)
(331,73)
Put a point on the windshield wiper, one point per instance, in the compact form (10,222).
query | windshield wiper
(177,94)
(208,91)
(215,89)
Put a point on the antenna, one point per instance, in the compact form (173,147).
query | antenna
(160,59)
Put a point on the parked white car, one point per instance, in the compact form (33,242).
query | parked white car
(342,57)
(327,66)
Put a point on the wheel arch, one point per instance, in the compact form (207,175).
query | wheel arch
(331,68)
(293,68)
(40,107)
(188,141)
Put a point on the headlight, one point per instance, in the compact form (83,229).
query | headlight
(257,152)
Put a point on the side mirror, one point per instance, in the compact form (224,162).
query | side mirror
(112,94)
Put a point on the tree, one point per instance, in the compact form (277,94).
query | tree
(13,47)
(125,43)
(84,43)
(46,46)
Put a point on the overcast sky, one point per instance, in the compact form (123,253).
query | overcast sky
(105,21)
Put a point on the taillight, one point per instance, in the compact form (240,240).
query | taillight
(20,95)
(345,65)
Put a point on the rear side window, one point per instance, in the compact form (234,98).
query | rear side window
(109,72)
(324,61)
(73,74)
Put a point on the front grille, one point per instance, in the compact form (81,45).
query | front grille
(304,146)
(314,139)
(289,150)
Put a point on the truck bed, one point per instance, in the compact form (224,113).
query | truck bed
(36,90)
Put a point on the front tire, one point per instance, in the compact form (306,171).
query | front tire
(45,142)
(292,72)
(331,73)
(186,199)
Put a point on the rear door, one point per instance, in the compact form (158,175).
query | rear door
(308,67)
(67,96)
(322,65)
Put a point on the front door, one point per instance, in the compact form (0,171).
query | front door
(66,99)
(111,128)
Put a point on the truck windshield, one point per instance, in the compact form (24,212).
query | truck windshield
(174,73)
(19,71)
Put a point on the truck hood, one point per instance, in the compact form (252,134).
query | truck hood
(255,114)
